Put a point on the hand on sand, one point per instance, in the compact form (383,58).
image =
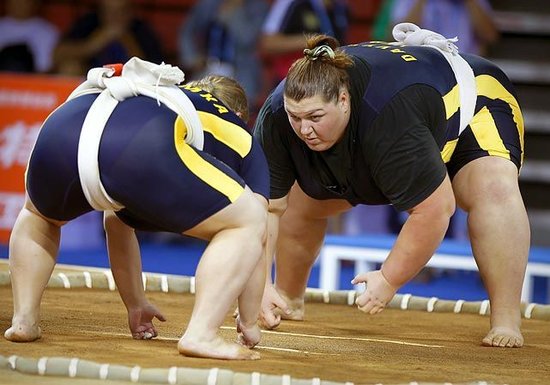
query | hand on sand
(140,321)
(277,306)
(377,294)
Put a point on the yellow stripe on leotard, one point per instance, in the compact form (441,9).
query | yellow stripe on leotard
(448,150)
(490,87)
(483,125)
(486,134)
(230,134)
(203,169)
(451,100)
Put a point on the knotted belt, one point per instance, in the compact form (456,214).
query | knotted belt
(411,34)
(138,77)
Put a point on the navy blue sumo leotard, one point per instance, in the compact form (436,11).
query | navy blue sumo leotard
(144,163)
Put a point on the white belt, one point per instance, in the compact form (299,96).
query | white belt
(138,78)
(88,150)
(466,87)
(410,34)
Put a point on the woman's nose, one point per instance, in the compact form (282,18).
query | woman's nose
(305,127)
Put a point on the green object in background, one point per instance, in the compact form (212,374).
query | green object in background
(381,29)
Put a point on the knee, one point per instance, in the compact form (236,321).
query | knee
(499,192)
(487,181)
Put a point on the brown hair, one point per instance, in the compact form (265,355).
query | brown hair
(228,90)
(322,70)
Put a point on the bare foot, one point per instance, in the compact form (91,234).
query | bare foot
(247,336)
(216,348)
(503,337)
(23,333)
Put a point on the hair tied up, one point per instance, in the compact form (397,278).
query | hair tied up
(320,51)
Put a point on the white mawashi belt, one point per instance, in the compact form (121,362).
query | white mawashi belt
(138,78)
(410,34)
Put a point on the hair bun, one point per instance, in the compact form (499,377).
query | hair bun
(320,51)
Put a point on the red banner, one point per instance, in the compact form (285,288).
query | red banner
(25,102)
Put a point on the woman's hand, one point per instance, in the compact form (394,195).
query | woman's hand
(273,307)
(140,321)
(377,294)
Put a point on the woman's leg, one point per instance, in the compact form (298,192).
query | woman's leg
(33,248)
(302,230)
(248,305)
(237,238)
(487,188)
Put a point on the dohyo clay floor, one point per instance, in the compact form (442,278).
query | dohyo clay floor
(86,341)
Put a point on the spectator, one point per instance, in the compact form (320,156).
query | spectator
(381,28)
(289,20)
(109,34)
(220,37)
(27,40)
(470,20)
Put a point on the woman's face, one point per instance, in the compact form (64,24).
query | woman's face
(318,123)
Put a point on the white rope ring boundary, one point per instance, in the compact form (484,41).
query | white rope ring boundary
(405,301)
(213,376)
(153,282)
(484,307)
(77,368)
(65,280)
(431,304)
(73,367)
(134,373)
(458,306)
(54,366)
(87,279)
(173,375)
(529,310)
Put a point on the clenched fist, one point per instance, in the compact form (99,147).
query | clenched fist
(377,294)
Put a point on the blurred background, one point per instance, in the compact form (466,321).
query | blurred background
(47,46)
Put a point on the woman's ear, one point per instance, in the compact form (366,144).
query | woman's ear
(344,100)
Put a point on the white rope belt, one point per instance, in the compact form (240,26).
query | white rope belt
(410,34)
(88,150)
(466,87)
(137,80)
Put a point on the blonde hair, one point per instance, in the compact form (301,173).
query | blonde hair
(322,70)
(228,90)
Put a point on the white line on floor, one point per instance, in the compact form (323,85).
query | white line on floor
(345,338)
(160,338)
